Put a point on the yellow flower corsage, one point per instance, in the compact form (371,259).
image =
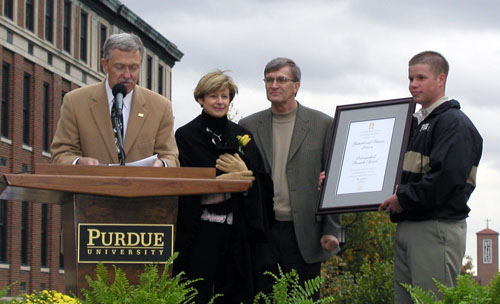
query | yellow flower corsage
(243,141)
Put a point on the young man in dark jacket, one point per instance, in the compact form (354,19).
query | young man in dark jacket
(439,175)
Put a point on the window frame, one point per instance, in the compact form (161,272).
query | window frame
(29,15)
(3,230)
(5,108)
(24,233)
(67,7)
(84,35)
(49,20)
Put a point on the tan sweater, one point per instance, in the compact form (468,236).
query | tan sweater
(283,124)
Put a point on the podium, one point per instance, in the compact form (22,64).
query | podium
(124,216)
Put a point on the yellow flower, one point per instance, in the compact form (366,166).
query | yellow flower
(243,141)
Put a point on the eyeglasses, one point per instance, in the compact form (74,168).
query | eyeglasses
(120,68)
(279,80)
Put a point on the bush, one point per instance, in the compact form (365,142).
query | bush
(369,235)
(363,270)
(467,291)
(287,290)
(5,290)
(46,297)
(153,288)
(372,284)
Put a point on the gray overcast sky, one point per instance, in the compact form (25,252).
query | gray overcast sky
(349,51)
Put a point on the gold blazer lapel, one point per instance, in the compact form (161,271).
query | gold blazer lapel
(100,112)
(138,115)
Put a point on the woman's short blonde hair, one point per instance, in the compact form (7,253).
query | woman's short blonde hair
(213,82)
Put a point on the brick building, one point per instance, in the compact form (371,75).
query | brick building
(487,255)
(48,48)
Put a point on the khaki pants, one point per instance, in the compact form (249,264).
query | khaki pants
(426,250)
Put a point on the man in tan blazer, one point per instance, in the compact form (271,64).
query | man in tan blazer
(84,134)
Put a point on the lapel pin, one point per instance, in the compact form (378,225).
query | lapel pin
(140,115)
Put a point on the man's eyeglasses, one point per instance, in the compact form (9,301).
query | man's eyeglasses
(279,80)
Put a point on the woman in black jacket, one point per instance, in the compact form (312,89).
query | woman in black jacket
(216,233)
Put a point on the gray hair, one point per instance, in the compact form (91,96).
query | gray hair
(125,42)
(278,63)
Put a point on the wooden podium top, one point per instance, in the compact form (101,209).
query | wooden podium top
(50,182)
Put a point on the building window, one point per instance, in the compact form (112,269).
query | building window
(3,231)
(149,73)
(30,48)
(487,251)
(24,233)
(61,255)
(26,110)
(49,20)
(10,37)
(30,15)
(160,79)
(49,58)
(3,162)
(67,26)
(5,99)
(104,36)
(83,36)
(46,116)
(8,9)
(44,232)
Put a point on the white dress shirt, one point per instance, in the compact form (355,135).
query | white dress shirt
(423,113)
(127,104)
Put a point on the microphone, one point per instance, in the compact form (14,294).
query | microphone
(119,91)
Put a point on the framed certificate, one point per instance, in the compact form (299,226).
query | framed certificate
(366,155)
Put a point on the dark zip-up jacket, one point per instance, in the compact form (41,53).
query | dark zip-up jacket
(440,165)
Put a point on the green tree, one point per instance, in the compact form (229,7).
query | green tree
(368,235)
(362,272)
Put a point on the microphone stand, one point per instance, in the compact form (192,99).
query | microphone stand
(119,135)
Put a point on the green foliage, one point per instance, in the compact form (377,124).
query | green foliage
(4,290)
(362,272)
(418,295)
(368,235)
(494,289)
(153,288)
(467,291)
(287,290)
(372,284)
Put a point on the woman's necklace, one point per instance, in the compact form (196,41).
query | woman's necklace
(216,138)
